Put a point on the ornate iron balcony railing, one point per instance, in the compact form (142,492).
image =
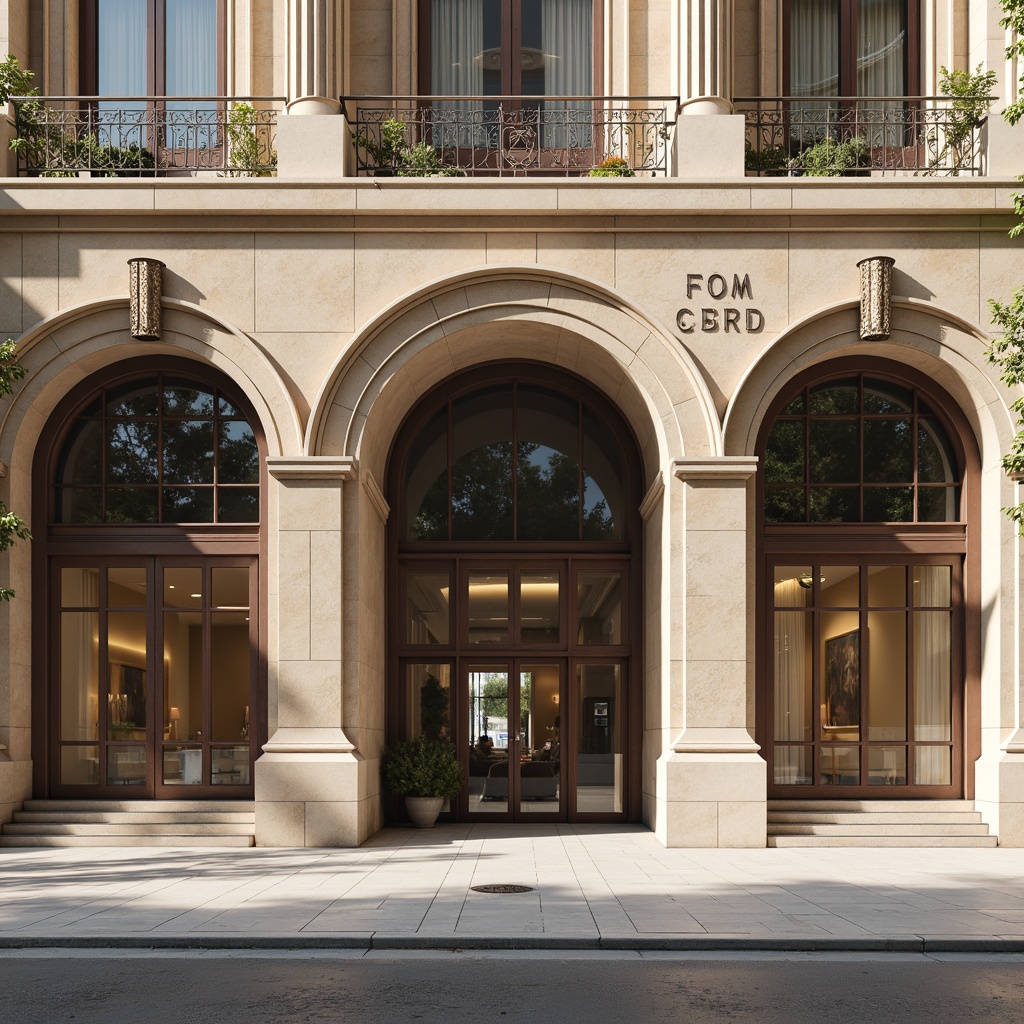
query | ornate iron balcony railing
(132,136)
(834,136)
(421,136)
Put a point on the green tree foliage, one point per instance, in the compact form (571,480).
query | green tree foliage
(12,527)
(422,767)
(1007,350)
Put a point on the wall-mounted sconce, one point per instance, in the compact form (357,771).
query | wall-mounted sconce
(145,290)
(875,297)
(554,700)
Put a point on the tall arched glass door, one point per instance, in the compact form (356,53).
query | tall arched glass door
(864,543)
(513,610)
(152,547)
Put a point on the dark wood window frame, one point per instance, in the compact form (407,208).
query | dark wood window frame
(864,543)
(848,47)
(135,542)
(156,53)
(511,32)
(568,556)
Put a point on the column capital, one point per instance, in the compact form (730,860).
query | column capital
(312,467)
(720,467)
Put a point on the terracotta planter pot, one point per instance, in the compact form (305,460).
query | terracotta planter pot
(423,810)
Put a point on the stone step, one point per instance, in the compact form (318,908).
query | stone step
(125,841)
(857,829)
(168,806)
(906,806)
(132,823)
(884,841)
(134,817)
(106,829)
(874,817)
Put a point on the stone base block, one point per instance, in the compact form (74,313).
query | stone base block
(710,146)
(310,800)
(1010,827)
(313,147)
(15,787)
(713,800)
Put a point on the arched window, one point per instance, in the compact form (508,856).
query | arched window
(859,449)
(513,593)
(864,543)
(158,449)
(153,683)
(514,462)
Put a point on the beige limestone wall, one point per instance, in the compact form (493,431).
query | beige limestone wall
(338,306)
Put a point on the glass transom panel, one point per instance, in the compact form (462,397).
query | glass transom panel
(158,449)
(859,449)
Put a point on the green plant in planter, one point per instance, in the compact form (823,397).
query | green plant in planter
(971,94)
(612,167)
(422,767)
(391,153)
(832,159)
(434,712)
(249,153)
(766,160)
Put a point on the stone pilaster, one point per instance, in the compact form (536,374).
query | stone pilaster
(704,47)
(307,781)
(714,779)
(314,49)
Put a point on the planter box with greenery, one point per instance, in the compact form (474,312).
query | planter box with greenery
(421,770)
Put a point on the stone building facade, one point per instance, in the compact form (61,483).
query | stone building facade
(606,461)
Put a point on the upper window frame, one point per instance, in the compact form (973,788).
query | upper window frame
(156,52)
(511,31)
(848,48)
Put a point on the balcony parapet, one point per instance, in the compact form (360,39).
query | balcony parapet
(145,136)
(512,136)
(848,136)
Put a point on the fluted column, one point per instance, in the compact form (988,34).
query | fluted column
(704,48)
(314,41)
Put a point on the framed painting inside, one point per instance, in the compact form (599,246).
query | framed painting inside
(842,680)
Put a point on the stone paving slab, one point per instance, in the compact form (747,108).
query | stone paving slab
(593,887)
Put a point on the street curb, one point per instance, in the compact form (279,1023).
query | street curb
(469,943)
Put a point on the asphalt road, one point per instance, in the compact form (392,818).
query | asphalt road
(552,988)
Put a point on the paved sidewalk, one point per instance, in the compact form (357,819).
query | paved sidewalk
(593,887)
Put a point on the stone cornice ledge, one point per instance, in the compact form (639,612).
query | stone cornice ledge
(720,467)
(1015,744)
(311,467)
(309,741)
(733,740)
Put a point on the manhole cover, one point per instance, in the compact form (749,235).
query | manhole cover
(502,888)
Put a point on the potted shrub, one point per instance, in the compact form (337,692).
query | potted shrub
(612,167)
(424,771)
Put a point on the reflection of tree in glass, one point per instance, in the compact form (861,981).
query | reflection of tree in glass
(238,458)
(482,493)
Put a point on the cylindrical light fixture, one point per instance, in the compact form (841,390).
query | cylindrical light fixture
(145,288)
(875,297)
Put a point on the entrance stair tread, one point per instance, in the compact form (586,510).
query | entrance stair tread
(100,828)
(891,823)
(121,840)
(852,828)
(132,823)
(884,841)
(874,817)
(133,817)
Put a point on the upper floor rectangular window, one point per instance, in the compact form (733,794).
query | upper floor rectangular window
(852,48)
(509,47)
(152,47)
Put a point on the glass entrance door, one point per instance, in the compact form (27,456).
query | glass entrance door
(513,732)
(153,677)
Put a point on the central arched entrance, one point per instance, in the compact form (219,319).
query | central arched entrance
(513,593)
